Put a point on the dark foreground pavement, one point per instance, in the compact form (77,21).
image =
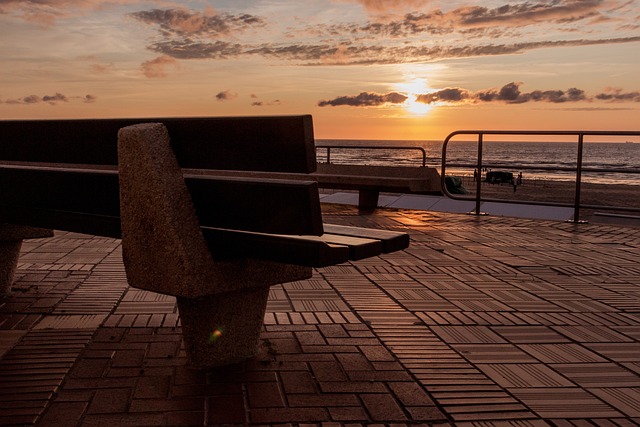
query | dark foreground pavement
(482,321)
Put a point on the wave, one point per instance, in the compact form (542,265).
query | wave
(531,157)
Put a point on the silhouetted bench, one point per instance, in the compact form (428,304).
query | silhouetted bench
(369,181)
(214,240)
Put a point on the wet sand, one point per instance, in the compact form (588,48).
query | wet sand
(563,192)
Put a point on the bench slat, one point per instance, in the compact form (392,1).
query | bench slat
(280,143)
(262,205)
(337,181)
(369,183)
(311,251)
(391,240)
(359,248)
(77,222)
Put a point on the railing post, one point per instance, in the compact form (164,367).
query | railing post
(479,175)
(576,200)
(443,166)
(328,154)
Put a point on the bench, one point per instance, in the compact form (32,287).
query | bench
(369,181)
(216,240)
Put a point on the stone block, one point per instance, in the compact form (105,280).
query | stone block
(224,328)
(10,232)
(10,243)
(9,253)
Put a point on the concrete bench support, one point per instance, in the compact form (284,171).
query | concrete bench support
(368,199)
(164,251)
(223,328)
(11,237)
(9,252)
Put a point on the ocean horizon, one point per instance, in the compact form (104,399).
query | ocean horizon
(530,158)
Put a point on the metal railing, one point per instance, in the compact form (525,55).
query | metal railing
(578,169)
(373,147)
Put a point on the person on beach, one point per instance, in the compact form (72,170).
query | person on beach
(519,180)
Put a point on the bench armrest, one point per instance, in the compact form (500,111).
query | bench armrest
(345,244)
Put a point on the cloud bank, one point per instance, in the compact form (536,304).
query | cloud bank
(417,36)
(508,94)
(48,12)
(366,99)
(390,32)
(54,99)
(186,23)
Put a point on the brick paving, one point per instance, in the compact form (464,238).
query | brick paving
(483,321)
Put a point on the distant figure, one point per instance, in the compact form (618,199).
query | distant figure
(475,175)
(519,180)
(515,184)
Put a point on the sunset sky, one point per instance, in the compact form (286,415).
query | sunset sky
(365,69)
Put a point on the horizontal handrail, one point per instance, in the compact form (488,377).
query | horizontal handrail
(373,147)
(480,134)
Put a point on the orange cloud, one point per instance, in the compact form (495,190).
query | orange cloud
(523,14)
(183,22)
(274,103)
(226,95)
(386,5)
(156,68)
(46,12)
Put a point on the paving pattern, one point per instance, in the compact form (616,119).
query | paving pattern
(483,321)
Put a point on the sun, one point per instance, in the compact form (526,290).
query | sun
(413,88)
(415,107)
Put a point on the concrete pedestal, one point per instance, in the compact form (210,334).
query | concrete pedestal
(224,328)
(9,252)
(10,243)
(368,199)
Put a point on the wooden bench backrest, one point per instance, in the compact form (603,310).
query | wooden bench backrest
(88,201)
(273,144)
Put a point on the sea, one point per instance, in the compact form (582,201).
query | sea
(602,162)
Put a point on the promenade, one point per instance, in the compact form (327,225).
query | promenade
(482,321)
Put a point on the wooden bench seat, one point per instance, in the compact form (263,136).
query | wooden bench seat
(41,202)
(215,240)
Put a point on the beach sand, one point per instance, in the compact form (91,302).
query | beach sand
(540,190)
